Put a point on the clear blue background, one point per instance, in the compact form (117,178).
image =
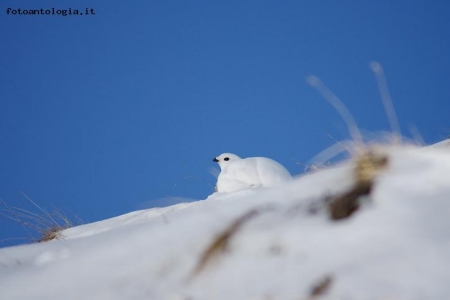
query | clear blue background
(102,115)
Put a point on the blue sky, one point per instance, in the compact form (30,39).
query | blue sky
(105,114)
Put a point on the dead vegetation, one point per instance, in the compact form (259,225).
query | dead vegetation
(368,162)
(343,206)
(321,287)
(46,225)
(367,167)
(338,207)
(220,243)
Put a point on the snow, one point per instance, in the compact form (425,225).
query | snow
(445,144)
(241,173)
(396,246)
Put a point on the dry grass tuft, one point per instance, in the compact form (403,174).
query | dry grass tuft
(320,288)
(53,233)
(221,242)
(367,168)
(343,206)
(48,225)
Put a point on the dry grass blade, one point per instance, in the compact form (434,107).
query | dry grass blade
(321,287)
(345,205)
(222,240)
(53,233)
(47,224)
(40,208)
(367,167)
(387,100)
(340,107)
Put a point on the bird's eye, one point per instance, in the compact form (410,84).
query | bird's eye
(226,159)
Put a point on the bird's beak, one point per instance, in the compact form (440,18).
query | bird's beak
(215,160)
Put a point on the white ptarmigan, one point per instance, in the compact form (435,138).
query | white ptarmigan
(243,173)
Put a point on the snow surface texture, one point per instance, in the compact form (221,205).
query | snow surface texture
(238,174)
(266,243)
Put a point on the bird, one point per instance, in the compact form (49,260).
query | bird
(252,172)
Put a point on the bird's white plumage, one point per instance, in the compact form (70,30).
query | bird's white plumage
(238,174)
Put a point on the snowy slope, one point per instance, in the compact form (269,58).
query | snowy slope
(268,243)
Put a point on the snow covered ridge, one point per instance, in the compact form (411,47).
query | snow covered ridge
(375,227)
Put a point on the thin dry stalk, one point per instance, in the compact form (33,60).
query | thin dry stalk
(48,224)
(222,241)
(367,168)
(320,288)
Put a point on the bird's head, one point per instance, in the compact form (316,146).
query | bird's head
(225,159)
